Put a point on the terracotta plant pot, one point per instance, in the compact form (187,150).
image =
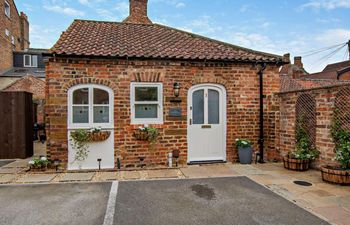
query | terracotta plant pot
(335,175)
(296,164)
(99,136)
(141,135)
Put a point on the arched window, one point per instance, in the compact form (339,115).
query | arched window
(90,106)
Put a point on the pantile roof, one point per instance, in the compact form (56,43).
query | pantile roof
(331,71)
(114,39)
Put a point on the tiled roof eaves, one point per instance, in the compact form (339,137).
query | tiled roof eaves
(246,60)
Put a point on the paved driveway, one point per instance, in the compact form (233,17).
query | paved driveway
(235,200)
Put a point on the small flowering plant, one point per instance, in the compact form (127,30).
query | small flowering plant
(95,130)
(147,133)
(242,143)
(37,163)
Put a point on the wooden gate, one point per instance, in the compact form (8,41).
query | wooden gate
(16,125)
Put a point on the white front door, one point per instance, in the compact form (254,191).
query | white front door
(206,124)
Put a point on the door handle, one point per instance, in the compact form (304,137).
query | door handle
(206,126)
(190,121)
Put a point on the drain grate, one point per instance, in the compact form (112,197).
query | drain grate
(302,183)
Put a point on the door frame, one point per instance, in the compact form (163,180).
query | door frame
(223,109)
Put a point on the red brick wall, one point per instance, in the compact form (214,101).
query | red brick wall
(325,106)
(345,76)
(240,80)
(18,27)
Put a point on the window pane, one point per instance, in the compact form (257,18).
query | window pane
(81,96)
(80,114)
(213,107)
(146,94)
(27,60)
(198,107)
(101,97)
(101,114)
(146,111)
(35,61)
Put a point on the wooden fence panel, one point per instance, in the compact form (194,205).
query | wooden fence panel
(16,125)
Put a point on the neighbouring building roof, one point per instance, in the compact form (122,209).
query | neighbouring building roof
(114,39)
(289,84)
(331,71)
(24,71)
(30,84)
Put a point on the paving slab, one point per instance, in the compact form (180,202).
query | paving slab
(36,178)
(7,170)
(269,166)
(335,214)
(108,176)
(268,179)
(194,172)
(7,178)
(5,162)
(22,163)
(77,177)
(247,169)
(321,193)
(153,174)
(130,175)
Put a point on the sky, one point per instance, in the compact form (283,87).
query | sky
(298,27)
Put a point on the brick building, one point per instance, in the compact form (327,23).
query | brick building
(121,76)
(14,35)
(334,71)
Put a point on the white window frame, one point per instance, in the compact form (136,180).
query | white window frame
(91,105)
(7,9)
(32,62)
(159,119)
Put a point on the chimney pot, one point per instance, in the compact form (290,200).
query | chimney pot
(138,12)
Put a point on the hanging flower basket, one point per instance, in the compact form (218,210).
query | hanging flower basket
(335,175)
(141,135)
(296,164)
(99,136)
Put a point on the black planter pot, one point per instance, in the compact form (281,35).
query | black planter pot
(245,155)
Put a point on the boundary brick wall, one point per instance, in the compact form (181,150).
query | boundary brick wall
(240,80)
(325,98)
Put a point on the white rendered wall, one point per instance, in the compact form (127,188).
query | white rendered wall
(97,150)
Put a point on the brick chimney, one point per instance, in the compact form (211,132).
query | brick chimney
(138,12)
(24,35)
(298,62)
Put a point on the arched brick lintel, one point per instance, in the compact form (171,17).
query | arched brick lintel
(209,80)
(85,80)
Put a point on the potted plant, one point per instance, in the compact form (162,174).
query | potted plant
(97,135)
(300,158)
(245,151)
(340,173)
(39,164)
(146,134)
